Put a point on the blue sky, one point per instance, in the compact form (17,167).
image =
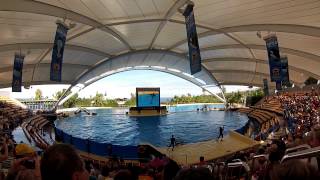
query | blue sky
(122,84)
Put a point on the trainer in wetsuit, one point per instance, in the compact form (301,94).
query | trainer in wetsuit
(221,133)
(172,142)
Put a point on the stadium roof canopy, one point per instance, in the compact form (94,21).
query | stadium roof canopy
(112,36)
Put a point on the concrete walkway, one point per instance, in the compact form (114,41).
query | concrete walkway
(190,153)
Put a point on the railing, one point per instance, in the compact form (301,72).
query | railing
(237,170)
(297,148)
(307,153)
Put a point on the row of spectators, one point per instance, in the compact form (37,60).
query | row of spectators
(298,130)
(11,116)
(61,161)
(34,130)
(302,115)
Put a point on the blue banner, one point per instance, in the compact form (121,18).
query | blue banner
(194,50)
(265,87)
(274,58)
(284,70)
(17,73)
(57,52)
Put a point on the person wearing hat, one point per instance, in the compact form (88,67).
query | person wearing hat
(26,164)
(24,150)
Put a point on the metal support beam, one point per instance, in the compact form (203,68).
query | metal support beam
(286,28)
(295,52)
(239,71)
(181,75)
(245,84)
(228,71)
(259,61)
(37,7)
(28,83)
(29,46)
(172,10)
(44,65)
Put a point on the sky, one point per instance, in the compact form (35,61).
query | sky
(121,85)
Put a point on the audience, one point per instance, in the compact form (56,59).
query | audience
(26,164)
(194,174)
(62,162)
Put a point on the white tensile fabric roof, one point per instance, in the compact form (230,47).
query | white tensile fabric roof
(229,34)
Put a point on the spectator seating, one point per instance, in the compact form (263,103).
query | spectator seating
(33,128)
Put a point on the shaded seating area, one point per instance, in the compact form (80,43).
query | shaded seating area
(266,114)
(33,129)
(11,115)
(255,164)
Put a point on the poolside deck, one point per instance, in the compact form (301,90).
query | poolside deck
(190,153)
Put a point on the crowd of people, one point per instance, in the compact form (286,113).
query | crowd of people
(62,161)
(10,117)
(302,115)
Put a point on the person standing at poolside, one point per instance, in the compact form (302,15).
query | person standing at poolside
(221,128)
(172,142)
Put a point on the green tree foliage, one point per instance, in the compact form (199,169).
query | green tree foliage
(254,96)
(98,100)
(111,103)
(194,99)
(38,94)
(60,93)
(71,102)
(234,97)
(132,101)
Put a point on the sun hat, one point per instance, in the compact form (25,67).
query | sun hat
(24,149)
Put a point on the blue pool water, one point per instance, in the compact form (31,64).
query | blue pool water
(188,125)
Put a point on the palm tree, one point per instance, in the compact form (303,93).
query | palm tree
(98,99)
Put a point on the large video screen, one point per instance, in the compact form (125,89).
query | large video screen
(148,97)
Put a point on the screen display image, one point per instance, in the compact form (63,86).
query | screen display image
(148,97)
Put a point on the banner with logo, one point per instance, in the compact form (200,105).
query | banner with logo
(17,73)
(274,57)
(265,87)
(57,52)
(194,50)
(284,70)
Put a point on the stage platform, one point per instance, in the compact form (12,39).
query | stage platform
(190,153)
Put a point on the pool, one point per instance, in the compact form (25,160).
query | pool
(188,125)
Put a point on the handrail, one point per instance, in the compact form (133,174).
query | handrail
(236,160)
(302,154)
(235,164)
(230,170)
(252,167)
(297,148)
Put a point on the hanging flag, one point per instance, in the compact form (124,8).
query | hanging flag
(265,87)
(194,50)
(57,52)
(284,70)
(274,57)
(17,73)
